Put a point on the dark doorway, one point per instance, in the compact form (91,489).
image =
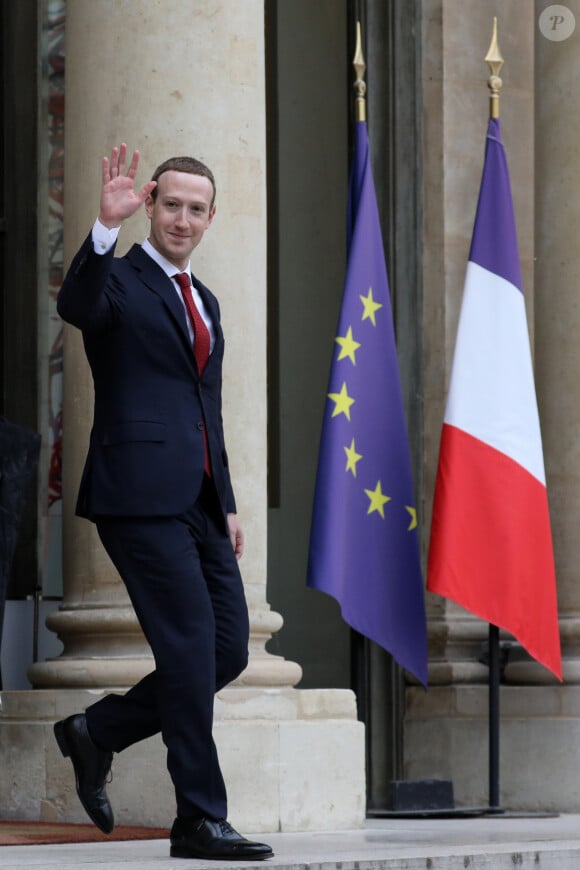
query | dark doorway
(310,118)
(18,250)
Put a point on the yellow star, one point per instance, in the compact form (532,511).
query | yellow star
(352,457)
(348,346)
(413,514)
(370,306)
(342,402)
(378,500)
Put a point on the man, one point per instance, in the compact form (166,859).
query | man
(157,485)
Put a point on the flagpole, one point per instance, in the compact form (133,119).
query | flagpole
(494,60)
(358,644)
(360,87)
(381,607)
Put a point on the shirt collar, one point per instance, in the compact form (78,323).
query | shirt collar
(170,269)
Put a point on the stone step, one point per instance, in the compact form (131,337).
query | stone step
(482,843)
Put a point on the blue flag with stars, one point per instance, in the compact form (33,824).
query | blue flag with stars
(364,548)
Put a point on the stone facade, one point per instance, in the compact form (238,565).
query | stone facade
(130,78)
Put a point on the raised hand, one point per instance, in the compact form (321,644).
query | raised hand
(118,198)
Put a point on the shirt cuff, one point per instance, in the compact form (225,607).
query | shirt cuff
(103,237)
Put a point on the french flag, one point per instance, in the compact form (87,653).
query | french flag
(491,542)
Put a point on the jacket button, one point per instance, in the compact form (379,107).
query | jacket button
(200,425)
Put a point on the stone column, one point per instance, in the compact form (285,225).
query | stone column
(557,349)
(128,78)
(447,728)
(181,78)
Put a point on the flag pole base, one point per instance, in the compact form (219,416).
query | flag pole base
(449,813)
(515,814)
(422,798)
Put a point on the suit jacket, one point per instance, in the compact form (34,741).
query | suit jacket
(146,450)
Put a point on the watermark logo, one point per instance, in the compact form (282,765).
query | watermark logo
(557,23)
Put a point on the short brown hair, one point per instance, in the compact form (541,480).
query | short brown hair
(184,164)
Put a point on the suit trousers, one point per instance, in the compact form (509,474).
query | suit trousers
(185,586)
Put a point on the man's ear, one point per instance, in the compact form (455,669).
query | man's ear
(149,201)
(211,215)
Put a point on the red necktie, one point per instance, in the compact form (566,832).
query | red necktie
(201,343)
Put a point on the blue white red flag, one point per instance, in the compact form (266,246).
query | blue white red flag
(491,542)
(363,545)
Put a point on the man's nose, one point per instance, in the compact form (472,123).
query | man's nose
(181,217)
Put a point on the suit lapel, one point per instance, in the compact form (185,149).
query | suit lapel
(156,280)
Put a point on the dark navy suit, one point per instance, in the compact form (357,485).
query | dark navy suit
(161,520)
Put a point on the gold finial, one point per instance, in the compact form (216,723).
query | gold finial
(494,61)
(359,85)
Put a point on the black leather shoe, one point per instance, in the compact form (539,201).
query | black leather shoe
(91,766)
(206,838)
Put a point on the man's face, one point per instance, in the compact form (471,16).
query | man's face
(180,214)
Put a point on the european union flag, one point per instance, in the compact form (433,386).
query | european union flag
(364,547)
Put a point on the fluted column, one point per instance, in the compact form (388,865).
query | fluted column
(446,728)
(168,78)
(557,350)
